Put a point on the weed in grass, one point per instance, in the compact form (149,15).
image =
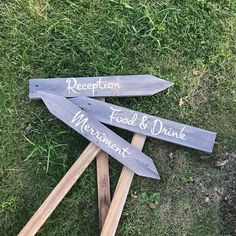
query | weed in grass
(10,205)
(50,150)
(151,201)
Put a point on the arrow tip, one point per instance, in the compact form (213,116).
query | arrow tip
(155,176)
(159,84)
(154,173)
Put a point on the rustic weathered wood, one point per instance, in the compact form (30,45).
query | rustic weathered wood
(148,125)
(107,86)
(121,192)
(103,137)
(103,185)
(60,191)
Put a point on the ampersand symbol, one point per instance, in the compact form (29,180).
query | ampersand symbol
(143,124)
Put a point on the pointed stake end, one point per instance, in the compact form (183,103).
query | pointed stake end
(152,175)
(169,84)
(157,176)
(163,85)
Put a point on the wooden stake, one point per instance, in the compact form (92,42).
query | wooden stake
(63,187)
(59,192)
(121,192)
(103,185)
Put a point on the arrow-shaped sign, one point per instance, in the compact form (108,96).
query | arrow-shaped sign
(107,86)
(148,125)
(99,134)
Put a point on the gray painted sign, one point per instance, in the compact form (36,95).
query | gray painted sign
(107,86)
(148,125)
(99,134)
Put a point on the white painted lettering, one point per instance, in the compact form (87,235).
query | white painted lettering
(74,87)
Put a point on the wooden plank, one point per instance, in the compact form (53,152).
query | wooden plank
(103,185)
(106,86)
(121,193)
(103,137)
(148,125)
(59,192)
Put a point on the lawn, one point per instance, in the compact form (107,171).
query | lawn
(189,42)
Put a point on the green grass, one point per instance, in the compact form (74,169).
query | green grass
(191,43)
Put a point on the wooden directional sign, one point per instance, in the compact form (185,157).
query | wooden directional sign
(148,125)
(107,86)
(99,134)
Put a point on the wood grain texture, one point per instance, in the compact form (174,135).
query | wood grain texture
(99,134)
(148,125)
(121,193)
(106,86)
(103,185)
(59,192)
